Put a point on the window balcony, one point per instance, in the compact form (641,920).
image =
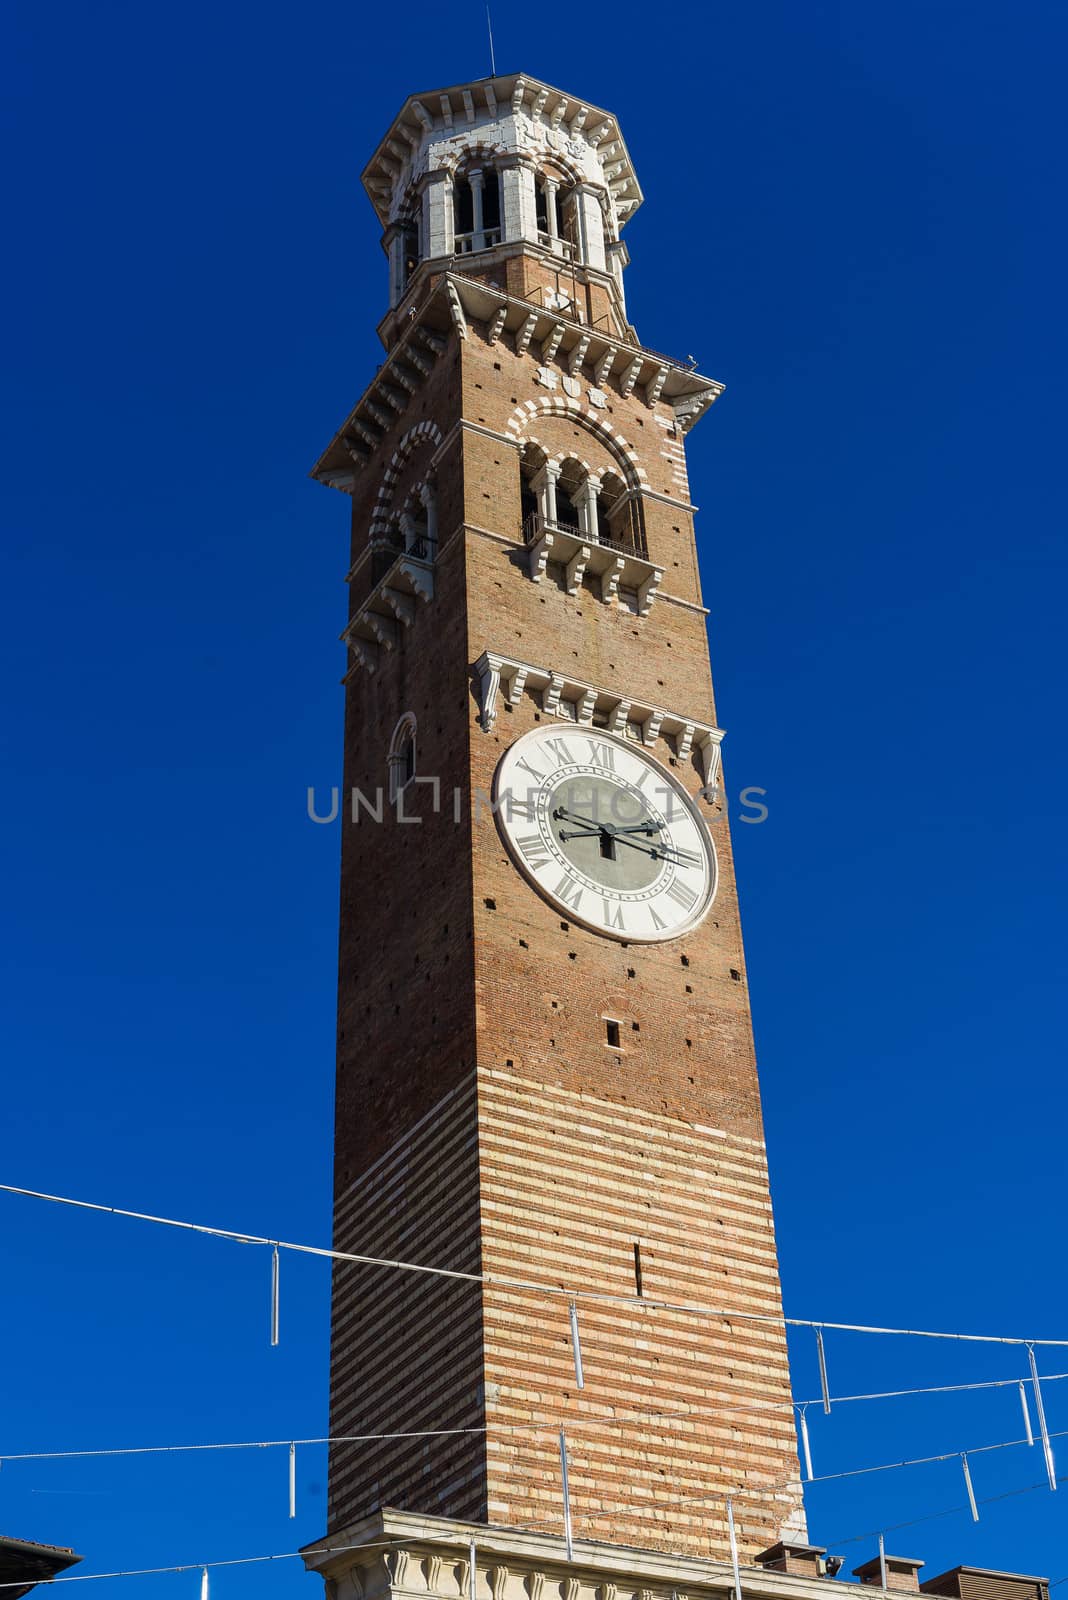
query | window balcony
(406,583)
(619,572)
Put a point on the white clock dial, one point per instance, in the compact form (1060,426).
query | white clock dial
(605,833)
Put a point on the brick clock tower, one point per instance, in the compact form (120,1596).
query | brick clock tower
(545,1068)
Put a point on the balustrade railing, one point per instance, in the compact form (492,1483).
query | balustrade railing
(535,525)
(387,551)
(558,246)
(468,244)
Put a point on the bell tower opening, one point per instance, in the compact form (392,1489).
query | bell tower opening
(476,210)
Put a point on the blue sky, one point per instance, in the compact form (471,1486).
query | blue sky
(853,218)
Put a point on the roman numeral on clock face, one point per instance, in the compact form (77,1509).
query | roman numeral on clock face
(602,755)
(613,916)
(569,892)
(561,753)
(534,851)
(682,894)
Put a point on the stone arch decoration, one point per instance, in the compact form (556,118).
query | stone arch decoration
(420,431)
(561,405)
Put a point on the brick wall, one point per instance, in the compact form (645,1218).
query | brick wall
(473,1064)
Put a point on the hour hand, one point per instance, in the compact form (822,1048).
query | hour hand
(563,815)
(663,852)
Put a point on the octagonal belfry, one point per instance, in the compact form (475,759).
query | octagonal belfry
(468,173)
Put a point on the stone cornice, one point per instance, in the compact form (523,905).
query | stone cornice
(635,366)
(565,696)
(454,302)
(663,596)
(386,398)
(439,115)
(514,1564)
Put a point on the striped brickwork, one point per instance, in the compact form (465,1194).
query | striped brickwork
(406,1350)
(569,1184)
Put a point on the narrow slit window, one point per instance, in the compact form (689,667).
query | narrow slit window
(612,1033)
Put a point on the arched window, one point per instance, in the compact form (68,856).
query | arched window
(532,492)
(570,492)
(613,511)
(463,205)
(555,215)
(416,531)
(409,250)
(491,207)
(402,756)
(476,199)
(385,549)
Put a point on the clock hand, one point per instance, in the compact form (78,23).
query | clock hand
(646,849)
(599,833)
(563,815)
(685,858)
(662,852)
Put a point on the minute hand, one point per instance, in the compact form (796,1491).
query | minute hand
(684,857)
(659,852)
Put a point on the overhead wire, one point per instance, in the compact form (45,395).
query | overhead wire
(502,1281)
(573,1294)
(546,1425)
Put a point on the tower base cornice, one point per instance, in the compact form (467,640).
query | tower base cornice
(401,1555)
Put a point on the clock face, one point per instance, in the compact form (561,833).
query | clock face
(605,833)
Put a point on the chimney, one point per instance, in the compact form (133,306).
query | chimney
(981,1583)
(902,1572)
(803,1560)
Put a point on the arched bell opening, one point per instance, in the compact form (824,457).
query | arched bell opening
(555,214)
(571,496)
(476,199)
(533,491)
(620,519)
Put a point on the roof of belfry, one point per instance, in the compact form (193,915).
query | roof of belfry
(448,111)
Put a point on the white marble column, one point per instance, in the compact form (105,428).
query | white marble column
(394,240)
(551,186)
(437,210)
(590,219)
(544,486)
(618,257)
(588,505)
(476,178)
(428,494)
(519,203)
